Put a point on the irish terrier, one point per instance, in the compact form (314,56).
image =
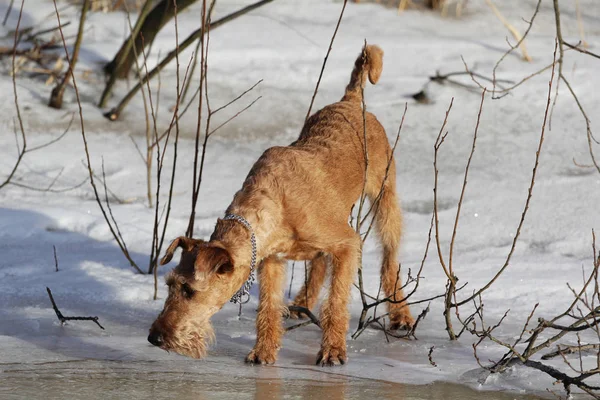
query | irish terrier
(294,205)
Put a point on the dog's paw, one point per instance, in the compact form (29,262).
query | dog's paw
(331,356)
(401,320)
(261,357)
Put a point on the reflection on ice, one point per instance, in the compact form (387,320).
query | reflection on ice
(105,380)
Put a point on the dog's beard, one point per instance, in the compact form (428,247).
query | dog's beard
(192,340)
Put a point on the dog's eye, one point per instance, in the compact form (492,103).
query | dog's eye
(187,291)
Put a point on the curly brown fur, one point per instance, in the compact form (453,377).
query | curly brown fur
(298,199)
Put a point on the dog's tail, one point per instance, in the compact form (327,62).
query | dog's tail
(369,62)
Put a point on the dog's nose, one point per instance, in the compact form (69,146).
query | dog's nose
(155,338)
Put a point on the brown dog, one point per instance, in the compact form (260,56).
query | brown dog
(294,205)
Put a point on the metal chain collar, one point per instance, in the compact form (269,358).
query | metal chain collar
(245,289)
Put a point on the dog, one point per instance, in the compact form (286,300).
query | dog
(294,205)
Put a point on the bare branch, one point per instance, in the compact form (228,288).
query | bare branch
(64,319)
(16,98)
(56,98)
(325,60)
(307,312)
(570,350)
(87,154)
(513,31)
(529,195)
(115,112)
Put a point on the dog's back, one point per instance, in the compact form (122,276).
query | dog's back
(326,165)
(334,136)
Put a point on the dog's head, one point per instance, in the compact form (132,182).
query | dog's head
(205,279)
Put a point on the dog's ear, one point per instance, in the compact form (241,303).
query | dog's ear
(212,258)
(185,243)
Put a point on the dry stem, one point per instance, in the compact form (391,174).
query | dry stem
(121,244)
(64,319)
(56,98)
(325,60)
(529,196)
(114,113)
(512,29)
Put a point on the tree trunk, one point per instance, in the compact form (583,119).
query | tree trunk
(434,4)
(56,97)
(115,112)
(153,22)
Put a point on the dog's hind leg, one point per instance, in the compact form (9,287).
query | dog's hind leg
(315,276)
(269,327)
(388,222)
(334,312)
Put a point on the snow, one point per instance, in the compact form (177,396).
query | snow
(284,44)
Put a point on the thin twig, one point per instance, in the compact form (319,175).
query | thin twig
(438,143)
(64,319)
(291,280)
(450,293)
(59,137)
(159,242)
(325,60)
(529,194)
(299,325)
(55,259)
(16,98)
(234,116)
(429,356)
(569,350)
(562,77)
(303,310)
(375,204)
(197,172)
(579,49)
(44,31)
(537,8)
(115,112)
(87,154)
(148,158)
(56,97)
(8,10)
(513,31)
(195,62)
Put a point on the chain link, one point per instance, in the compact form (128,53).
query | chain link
(245,289)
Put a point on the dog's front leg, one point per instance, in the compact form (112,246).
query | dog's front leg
(269,326)
(334,313)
